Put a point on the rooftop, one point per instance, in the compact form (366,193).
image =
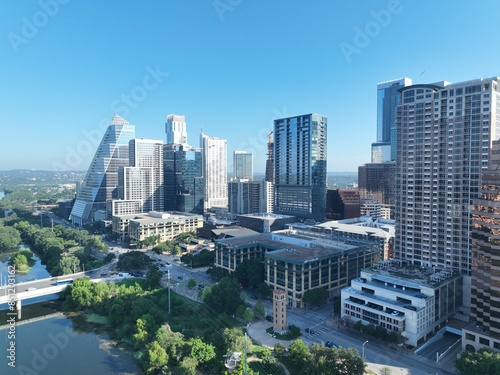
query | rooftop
(159,216)
(410,276)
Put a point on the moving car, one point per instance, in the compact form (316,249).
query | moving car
(330,344)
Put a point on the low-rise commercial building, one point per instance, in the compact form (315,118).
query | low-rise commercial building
(410,301)
(167,225)
(297,261)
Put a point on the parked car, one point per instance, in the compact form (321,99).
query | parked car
(180,277)
(269,318)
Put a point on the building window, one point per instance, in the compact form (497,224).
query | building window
(484,341)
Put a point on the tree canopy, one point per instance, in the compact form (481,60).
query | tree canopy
(484,362)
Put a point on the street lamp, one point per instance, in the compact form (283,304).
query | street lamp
(363,349)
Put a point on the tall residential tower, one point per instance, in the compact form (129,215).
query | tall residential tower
(300,166)
(444,135)
(214,156)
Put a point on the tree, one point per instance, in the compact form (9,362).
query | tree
(484,362)
(385,371)
(172,342)
(69,264)
(279,349)
(259,310)
(315,297)
(188,366)
(234,340)
(201,351)
(10,238)
(155,358)
(250,273)
(299,353)
(191,283)
(248,314)
(19,261)
(224,297)
(335,361)
(81,292)
(153,277)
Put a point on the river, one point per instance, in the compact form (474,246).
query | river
(53,346)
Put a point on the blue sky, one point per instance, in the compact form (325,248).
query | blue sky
(229,66)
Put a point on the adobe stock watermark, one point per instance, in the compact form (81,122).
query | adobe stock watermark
(363,36)
(121,106)
(55,345)
(31,25)
(224,6)
(11,316)
(257,144)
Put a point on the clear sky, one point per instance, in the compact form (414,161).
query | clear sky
(229,66)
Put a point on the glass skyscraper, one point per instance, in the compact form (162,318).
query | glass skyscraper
(184,185)
(101,181)
(175,130)
(243,165)
(300,166)
(388,99)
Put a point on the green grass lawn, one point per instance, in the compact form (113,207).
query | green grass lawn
(287,336)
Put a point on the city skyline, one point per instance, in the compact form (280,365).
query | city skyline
(227,76)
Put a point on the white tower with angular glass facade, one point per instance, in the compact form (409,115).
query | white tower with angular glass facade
(101,181)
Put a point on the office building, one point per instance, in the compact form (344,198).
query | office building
(214,158)
(245,197)
(101,181)
(264,222)
(444,136)
(184,184)
(269,177)
(388,99)
(376,182)
(297,260)
(484,329)
(300,166)
(175,130)
(242,165)
(342,204)
(409,301)
(379,233)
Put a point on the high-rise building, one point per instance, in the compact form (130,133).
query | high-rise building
(300,166)
(247,197)
(484,330)
(148,154)
(242,165)
(444,135)
(376,182)
(270,159)
(101,181)
(175,130)
(214,151)
(342,204)
(184,185)
(388,99)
